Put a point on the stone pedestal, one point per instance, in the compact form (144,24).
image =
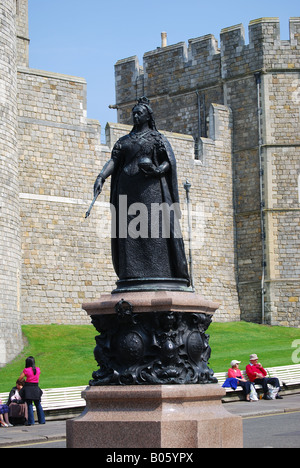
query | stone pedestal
(155,416)
(154,388)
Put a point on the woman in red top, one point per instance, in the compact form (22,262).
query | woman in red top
(257,374)
(32,391)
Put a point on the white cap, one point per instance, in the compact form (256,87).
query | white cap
(234,362)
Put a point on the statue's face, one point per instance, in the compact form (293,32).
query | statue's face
(140,115)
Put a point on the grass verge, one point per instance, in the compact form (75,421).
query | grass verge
(237,340)
(65,352)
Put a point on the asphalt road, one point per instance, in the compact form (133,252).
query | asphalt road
(272,431)
(61,443)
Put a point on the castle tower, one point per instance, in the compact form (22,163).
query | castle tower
(261,86)
(260,83)
(10,248)
(22,33)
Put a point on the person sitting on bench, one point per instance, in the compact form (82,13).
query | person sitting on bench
(235,373)
(257,374)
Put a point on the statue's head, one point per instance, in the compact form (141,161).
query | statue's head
(143,106)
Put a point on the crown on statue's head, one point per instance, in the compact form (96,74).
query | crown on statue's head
(144,100)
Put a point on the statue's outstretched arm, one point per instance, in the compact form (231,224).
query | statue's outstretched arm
(107,171)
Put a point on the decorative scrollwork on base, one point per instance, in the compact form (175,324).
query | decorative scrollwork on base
(152,348)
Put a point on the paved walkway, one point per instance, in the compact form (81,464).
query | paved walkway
(17,435)
(56,430)
(263,407)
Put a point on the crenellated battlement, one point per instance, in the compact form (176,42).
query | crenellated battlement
(176,68)
(265,51)
(180,67)
(295,31)
(262,32)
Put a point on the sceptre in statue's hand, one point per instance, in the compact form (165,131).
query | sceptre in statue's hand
(97,190)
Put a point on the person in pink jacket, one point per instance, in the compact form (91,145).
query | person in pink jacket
(32,391)
(235,373)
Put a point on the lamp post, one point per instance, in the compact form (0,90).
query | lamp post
(187,186)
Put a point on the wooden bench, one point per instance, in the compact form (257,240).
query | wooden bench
(68,398)
(289,377)
(58,398)
(62,398)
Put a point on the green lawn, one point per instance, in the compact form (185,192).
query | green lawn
(65,352)
(237,340)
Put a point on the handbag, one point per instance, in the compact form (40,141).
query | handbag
(253,393)
(273,391)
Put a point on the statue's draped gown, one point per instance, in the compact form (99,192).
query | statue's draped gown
(140,246)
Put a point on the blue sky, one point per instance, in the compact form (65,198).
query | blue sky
(86,38)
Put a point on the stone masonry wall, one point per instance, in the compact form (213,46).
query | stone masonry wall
(10,247)
(171,77)
(278,63)
(282,152)
(22,31)
(65,262)
(215,259)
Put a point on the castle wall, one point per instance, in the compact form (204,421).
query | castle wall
(215,259)
(282,151)
(171,77)
(22,31)
(239,63)
(65,261)
(10,247)
(278,62)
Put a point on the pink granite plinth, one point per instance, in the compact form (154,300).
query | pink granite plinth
(153,301)
(155,416)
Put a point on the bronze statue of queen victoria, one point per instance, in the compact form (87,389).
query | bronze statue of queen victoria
(144,194)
